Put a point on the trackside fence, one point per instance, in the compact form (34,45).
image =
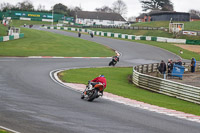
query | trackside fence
(164,86)
(130,37)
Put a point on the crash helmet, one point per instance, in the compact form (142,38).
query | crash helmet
(101,76)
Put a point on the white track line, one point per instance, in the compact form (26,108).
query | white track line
(13,131)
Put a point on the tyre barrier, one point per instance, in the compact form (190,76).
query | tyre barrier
(11,37)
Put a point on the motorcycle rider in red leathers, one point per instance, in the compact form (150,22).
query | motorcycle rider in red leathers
(100,79)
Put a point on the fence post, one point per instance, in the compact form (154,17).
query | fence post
(142,68)
(152,65)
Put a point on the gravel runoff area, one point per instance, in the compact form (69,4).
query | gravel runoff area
(189,79)
(193,48)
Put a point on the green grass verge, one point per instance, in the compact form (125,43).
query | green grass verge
(187,25)
(3,30)
(3,131)
(164,24)
(18,23)
(192,26)
(42,43)
(118,84)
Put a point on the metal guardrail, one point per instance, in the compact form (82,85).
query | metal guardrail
(164,86)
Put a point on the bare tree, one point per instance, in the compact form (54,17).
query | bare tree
(73,10)
(133,18)
(77,8)
(4,6)
(104,9)
(25,5)
(196,12)
(41,7)
(120,7)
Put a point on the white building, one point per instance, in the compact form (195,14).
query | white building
(99,18)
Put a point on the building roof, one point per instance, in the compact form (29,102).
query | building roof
(99,15)
(194,16)
(158,12)
(142,15)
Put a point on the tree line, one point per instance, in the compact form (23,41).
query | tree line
(119,6)
(27,5)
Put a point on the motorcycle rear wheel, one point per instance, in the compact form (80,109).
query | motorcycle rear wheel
(82,96)
(93,95)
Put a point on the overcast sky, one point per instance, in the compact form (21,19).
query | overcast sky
(134,6)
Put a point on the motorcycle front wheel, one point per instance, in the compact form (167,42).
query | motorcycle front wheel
(111,63)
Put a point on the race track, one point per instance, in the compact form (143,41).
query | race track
(31,102)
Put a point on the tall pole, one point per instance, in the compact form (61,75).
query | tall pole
(52,16)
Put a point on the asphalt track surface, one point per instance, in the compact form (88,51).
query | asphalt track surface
(31,102)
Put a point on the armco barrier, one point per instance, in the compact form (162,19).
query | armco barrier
(21,35)
(143,38)
(125,36)
(112,34)
(12,37)
(137,38)
(1,39)
(6,38)
(161,39)
(116,35)
(130,37)
(109,34)
(16,36)
(148,38)
(164,86)
(153,38)
(193,42)
(171,40)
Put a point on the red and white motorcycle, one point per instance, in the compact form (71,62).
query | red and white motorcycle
(92,91)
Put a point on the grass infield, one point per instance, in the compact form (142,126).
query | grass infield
(187,25)
(4,131)
(42,43)
(118,83)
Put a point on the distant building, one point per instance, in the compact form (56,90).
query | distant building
(194,17)
(163,16)
(98,18)
(142,18)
